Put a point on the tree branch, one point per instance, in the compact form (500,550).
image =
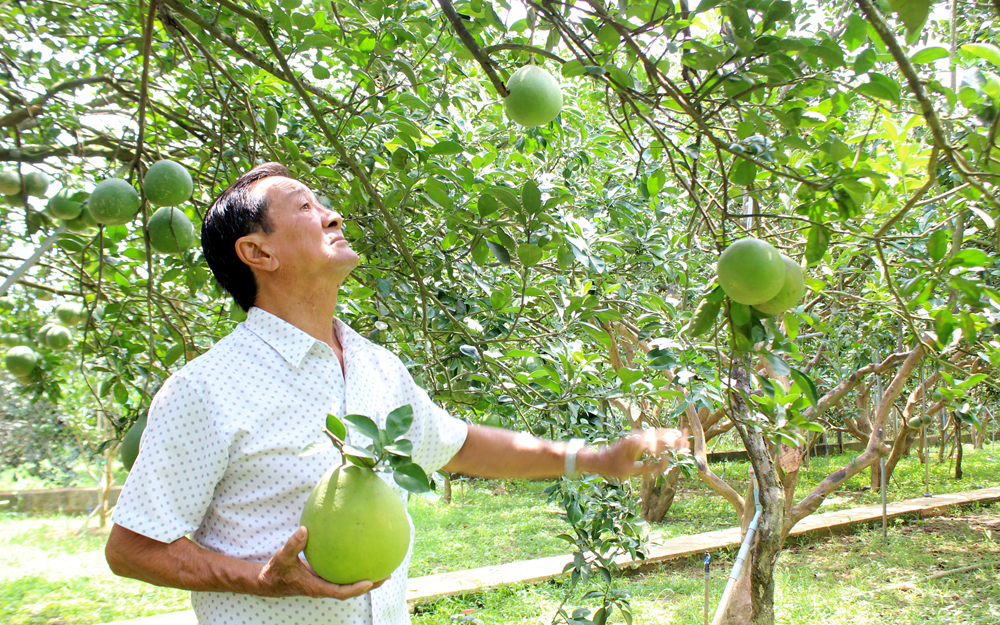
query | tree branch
(470,43)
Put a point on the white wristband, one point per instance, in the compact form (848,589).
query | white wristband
(573,447)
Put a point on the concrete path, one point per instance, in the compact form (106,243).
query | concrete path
(658,550)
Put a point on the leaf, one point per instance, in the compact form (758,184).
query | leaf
(818,241)
(412,478)
(937,244)
(876,90)
(487,205)
(806,384)
(740,313)
(531,197)
(529,254)
(315,448)
(779,366)
(628,376)
(929,55)
(446,147)
(912,13)
(706,5)
(987,51)
(500,252)
(398,422)
(572,68)
(400,448)
(744,172)
(358,452)
(336,427)
(362,424)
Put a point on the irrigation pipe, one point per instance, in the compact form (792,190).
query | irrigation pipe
(720,612)
(964,569)
(34,258)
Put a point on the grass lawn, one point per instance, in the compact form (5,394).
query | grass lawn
(48,575)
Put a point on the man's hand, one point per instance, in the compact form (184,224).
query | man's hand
(643,452)
(286,574)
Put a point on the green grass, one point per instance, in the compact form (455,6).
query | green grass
(19,478)
(48,575)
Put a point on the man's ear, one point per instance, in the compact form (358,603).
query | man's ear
(254,251)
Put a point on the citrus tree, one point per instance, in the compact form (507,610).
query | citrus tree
(559,277)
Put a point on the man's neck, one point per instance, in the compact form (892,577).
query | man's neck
(313,312)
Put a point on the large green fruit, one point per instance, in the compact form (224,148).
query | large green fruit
(130,443)
(71,313)
(751,271)
(791,291)
(10,184)
(358,527)
(7,303)
(167,183)
(535,97)
(113,202)
(20,360)
(170,231)
(11,339)
(62,207)
(36,183)
(57,338)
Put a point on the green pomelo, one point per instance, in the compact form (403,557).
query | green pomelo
(760,314)
(10,184)
(7,303)
(20,360)
(937,395)
(167,183)
(130,443)
(750,271)
(358,527)
(83,222)
(535,97)
(914,422)
(36,183)
(71,313)
(170,231)
(61,207)
(58,338)
(113,202)
(791,291)
(9,339)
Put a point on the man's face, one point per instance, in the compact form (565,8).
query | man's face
(306,236)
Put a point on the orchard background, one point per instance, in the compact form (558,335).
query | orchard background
(538,278)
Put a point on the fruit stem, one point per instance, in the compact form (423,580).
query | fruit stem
(339,444)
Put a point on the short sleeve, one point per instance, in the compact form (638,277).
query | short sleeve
(436,435)
(181,459)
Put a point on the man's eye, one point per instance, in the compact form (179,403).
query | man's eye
(305,206)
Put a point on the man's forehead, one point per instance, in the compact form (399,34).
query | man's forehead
(280,187)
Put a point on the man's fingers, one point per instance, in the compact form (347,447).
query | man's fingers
(290,551)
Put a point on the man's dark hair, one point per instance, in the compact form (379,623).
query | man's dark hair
(236,213)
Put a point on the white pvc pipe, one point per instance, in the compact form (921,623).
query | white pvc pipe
(34,258)
(720,612)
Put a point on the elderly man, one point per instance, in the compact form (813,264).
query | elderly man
(219,458)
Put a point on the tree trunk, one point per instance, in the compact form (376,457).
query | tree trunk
(446,490)
(958,444)
(657,499)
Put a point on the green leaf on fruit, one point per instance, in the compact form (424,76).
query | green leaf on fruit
(412,478)
(362,424)
(399,421)
(336,427)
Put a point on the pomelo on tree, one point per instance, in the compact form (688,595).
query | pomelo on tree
(35,182)
(113,202)
(750,271)
(20,360)
(358,527)
(7,303)
(71,313)
(167,183)
(170,231)
(791,291)
(84,221)
(130,442)
(535,98)
(10,183)
(62,207)
(58,337)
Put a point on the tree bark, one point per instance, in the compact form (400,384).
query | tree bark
(657,499)
(958,445)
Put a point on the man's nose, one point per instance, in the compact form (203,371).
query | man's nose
(334,220)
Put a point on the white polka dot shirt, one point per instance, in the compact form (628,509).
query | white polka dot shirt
(219,456)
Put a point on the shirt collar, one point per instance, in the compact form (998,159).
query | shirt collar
(291,342)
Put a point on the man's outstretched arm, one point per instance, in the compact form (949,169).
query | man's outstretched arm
(185,565)
(497,453)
